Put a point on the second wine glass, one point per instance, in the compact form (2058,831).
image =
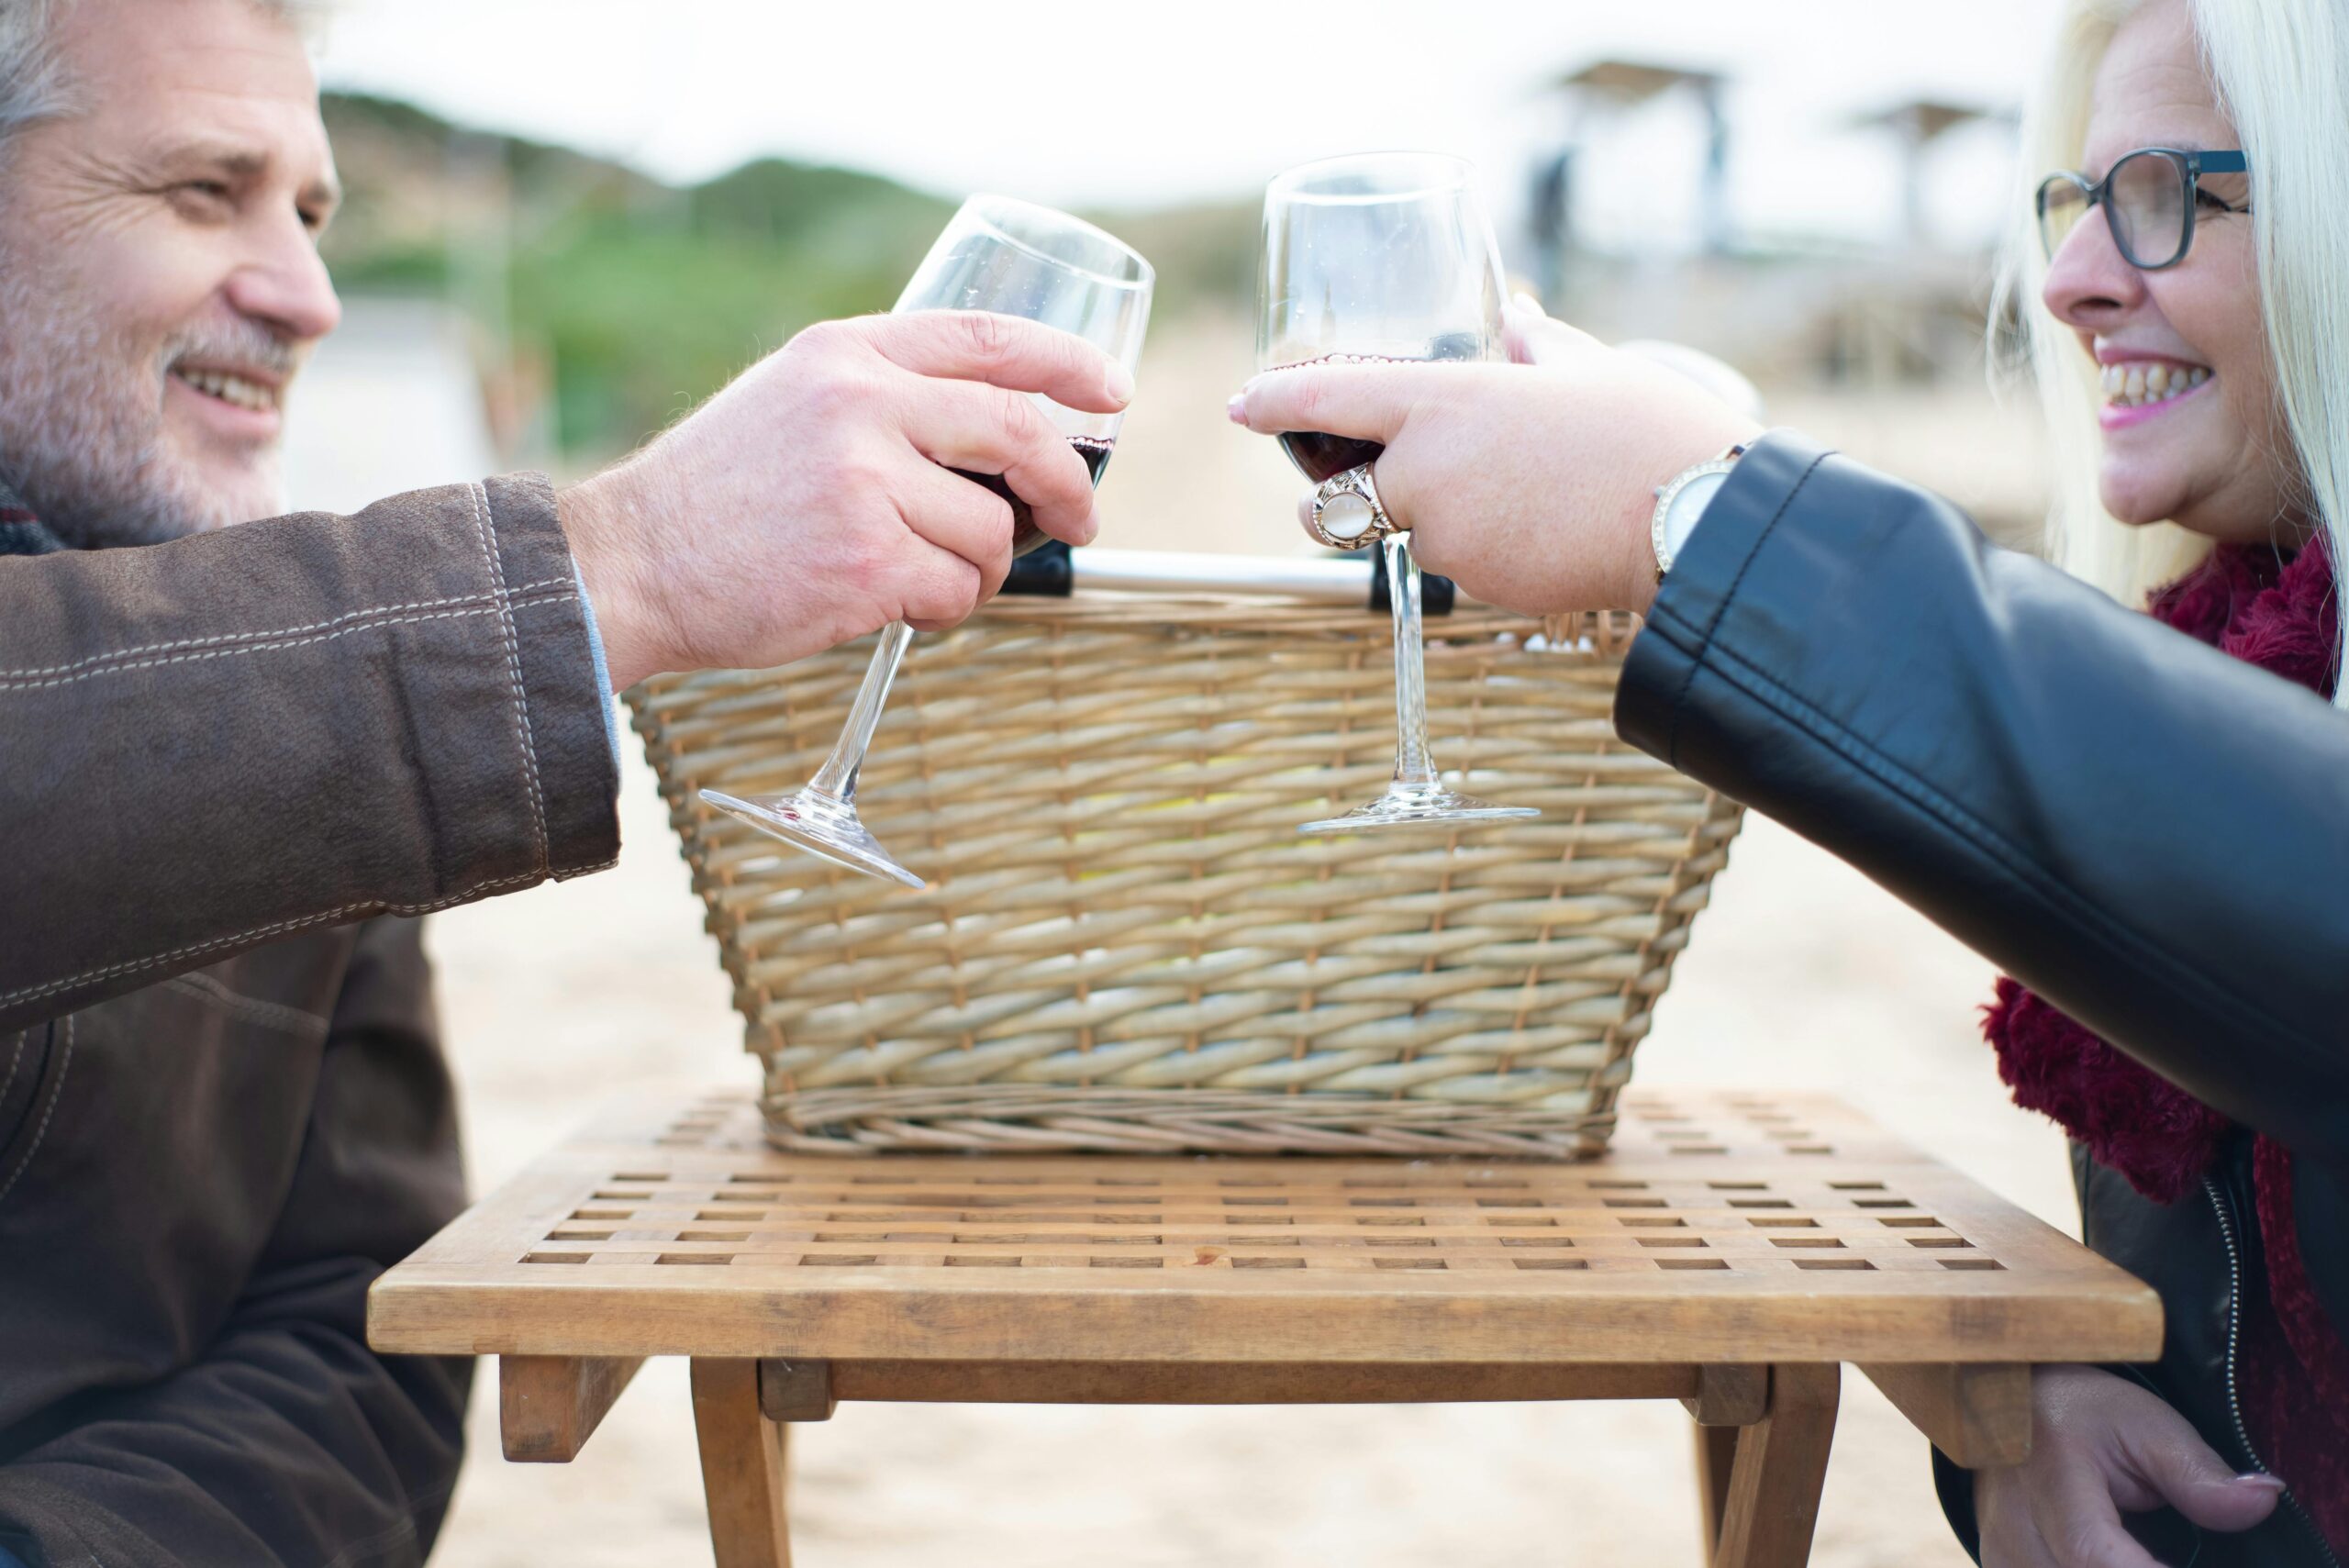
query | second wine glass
(1014,259)
(1382,256)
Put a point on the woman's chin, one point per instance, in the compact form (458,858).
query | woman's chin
(2136,503)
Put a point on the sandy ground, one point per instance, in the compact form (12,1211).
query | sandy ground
(1801,974)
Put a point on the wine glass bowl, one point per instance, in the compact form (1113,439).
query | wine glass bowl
(1011,257)
(1382,257)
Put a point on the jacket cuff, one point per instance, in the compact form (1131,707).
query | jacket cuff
(570,767)
(1735,528)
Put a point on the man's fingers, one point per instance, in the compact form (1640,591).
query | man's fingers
(941,590)
(1003,351)
(1367,401)
(963,517)
(981,430)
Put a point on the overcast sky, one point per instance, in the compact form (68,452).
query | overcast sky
(1131,103)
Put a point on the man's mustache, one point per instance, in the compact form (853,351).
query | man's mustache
(226,344)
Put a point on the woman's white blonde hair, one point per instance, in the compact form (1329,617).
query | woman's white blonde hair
(2281,70)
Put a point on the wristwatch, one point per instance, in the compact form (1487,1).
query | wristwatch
(1679,503)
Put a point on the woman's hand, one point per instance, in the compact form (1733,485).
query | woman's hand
(1531,488)
(2102,1446)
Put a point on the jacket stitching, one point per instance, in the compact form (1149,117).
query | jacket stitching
(1688,678)
(12,685)
(1974,834)
(246,637)
(15,1059)
(253,1009)
(56,1093)
(522,735)
(33,993)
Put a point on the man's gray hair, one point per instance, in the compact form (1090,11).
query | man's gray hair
(34,84)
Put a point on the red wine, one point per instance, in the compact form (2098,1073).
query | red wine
(1324,456)
(1320,456)
(1024,535)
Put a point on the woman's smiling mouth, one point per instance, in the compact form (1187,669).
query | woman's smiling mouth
(2137,390)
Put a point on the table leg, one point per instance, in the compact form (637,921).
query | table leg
(1780,1469)
(1716,1452)
(742,1466)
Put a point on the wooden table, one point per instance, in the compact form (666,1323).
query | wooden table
(1730,1251)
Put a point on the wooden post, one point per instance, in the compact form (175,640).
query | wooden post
(547,1406)
(1716,1453)
(1781,1465)
(1978,1415)
(743,1460)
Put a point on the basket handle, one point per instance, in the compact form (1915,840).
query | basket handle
(1358,577)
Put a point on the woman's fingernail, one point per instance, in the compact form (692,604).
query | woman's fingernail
(1122,384)
(2261,1482)
(1237,409)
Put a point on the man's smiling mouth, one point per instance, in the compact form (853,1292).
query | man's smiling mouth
(243,391)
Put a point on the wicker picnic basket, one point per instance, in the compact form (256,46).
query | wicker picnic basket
(1126,945)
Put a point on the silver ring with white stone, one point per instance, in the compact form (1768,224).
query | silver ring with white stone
(1347,513)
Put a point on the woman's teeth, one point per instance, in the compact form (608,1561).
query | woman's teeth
(231,389)
(2130,385)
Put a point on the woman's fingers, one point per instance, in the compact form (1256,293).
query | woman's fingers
(2071,1504)
(984,430)
(2168,1457)
(2010,1538)
(1003,351)
(1367,401)
(1533,338)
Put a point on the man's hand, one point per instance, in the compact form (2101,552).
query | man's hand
(806,503)
(1531,488)
(2102,1446)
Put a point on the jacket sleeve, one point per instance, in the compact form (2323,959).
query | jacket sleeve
(2151,835)
(314,719)
(286,1442)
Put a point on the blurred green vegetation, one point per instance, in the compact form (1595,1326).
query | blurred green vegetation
(628,300)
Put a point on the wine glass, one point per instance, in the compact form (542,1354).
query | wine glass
(1383,256)
(1014,259)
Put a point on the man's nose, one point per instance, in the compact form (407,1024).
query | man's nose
(2089,282)
(282,283)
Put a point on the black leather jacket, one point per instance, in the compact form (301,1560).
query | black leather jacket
(2149,834)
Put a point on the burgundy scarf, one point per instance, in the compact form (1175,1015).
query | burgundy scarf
(2294,1373)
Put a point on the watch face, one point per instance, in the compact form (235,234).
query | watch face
(1680,515)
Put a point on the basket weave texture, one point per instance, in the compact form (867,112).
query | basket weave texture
(1127,946)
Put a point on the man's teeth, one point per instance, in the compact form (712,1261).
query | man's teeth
(2130,385)
(233,389)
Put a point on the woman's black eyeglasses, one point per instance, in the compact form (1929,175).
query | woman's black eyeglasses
(2148,198)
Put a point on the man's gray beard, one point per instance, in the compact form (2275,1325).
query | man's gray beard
(81,421)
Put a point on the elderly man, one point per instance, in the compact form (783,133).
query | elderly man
(233,759)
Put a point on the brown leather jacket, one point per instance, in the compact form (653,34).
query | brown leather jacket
(228,767)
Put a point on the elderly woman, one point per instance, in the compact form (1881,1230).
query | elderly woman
(2143,818)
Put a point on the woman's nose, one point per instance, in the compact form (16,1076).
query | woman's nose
(2089,284)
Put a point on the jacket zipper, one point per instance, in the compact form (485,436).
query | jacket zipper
(2234,1406)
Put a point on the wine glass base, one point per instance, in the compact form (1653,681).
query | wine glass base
(823,825)
(1424,805)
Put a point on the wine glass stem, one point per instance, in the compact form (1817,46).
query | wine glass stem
(838,776)
(1412,765)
